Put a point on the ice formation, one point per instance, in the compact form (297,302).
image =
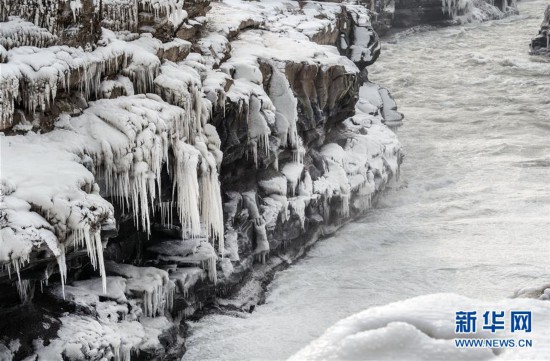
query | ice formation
(365,46)
(18,32)
(125,120)
(286,105)
(61,209)
(423,328)
(186,278)
(452,7)
(192,252)
(128,141)
(84,337)
(151,284)
(476,10)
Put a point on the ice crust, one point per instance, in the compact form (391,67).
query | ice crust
(422,328)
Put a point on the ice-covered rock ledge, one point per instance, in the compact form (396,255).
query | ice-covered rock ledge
(410,13)
(154,164)
(423,328)
(540,45)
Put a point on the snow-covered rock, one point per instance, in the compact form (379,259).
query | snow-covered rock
(540,45)
(423,328)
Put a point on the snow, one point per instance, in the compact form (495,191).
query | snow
(370,151)
(365,40)
(64,199)
(34,76)
(189,252)
(270,45)
(423,328)
(83,337)
(40,74)
(18,32)
(293,173)
(127,141)
(149,283)
(87,292)
(186,278)
(275,185)
(124,84)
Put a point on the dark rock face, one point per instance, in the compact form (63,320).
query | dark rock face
(540,45)
(400,14)
(409,13)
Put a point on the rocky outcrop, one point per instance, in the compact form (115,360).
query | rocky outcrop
(410,13)
(540,45)
(400,14)
(72,23)
(170,154)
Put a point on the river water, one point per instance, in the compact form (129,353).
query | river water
(471,214)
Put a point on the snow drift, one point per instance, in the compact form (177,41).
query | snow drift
(423,328)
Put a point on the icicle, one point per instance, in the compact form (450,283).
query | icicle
(212,272)
(94,247)
(25,290)
(165,213)
(211,207)
(286,106)
(140,190)
(276,162)
(299,208)
(258,130)
(186,184)
(61,261)
(344,211)
(254,148)
(262,244)
(17,263)
(101,263)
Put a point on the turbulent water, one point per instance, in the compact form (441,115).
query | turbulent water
(471,214)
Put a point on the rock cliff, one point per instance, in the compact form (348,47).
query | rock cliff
(410,13)
(158,156)
(540,45)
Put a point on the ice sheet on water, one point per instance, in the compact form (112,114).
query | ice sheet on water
(423,328)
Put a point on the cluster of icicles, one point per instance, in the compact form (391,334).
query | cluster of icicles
(35,89)
(17,32)
(42,13)
(123,15)
(133,174)
(119,14)
(272,114)
(132,171)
